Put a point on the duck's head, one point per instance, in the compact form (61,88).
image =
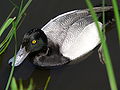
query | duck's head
(33,41)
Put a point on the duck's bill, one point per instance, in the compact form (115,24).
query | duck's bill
(20,56)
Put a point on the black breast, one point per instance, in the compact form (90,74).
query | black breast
(49,57)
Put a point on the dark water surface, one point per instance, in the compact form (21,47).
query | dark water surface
(89,74)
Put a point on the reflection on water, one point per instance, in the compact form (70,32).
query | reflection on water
(86,75)
(25,71)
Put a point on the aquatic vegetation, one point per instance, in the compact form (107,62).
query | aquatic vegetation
(8,38)
(15,26)
(6,24)
(15,87)
(47,82)
(16,21)
(117,17)
(108,63)
(30,87)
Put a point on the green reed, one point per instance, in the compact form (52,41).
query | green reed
(117,17)
(108,63)
(4,44)
(14,23)
(47,82)
(15,87)
(30,87)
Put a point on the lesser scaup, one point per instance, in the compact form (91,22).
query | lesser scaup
(65,38)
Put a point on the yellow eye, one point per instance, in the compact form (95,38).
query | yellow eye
(34,41)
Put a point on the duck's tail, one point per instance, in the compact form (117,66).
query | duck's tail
(109,16)
(109,20)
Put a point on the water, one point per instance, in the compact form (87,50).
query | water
(86,75)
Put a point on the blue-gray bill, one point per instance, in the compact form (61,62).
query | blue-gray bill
(21,55)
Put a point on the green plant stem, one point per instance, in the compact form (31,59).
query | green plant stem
(105,49)
(117,17)
(15,25)
(6,24)
(31,86)
(18,21)
(21,6)
(22,11)
(5,45)
(12,70)
(47,82)
(103,17)
(10,13)
(7,38)
(14,84)
(21,85)
(16,6)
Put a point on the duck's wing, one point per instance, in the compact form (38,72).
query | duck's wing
(57,28)
(81,38)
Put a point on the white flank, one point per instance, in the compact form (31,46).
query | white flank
(84,43)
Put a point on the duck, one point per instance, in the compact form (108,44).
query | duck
(64,39)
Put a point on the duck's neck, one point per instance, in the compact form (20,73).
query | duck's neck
(53,48)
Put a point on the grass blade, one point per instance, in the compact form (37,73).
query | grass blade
(25,7)
(16,6)
(22,11)
(17,24)
(13,84)
(21,85)
(117,17)
(10,14)
(21,6)
(5,46)
(105,49)
(30,87)
(47,82)
(6,24)
(103,16)
(12,70)
(7,38)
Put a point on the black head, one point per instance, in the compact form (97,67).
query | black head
(34,40)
